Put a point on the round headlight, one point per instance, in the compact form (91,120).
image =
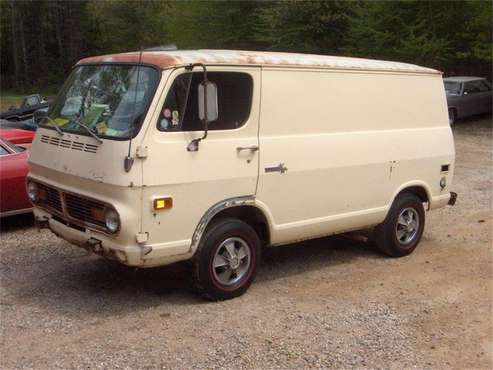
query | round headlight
(32,191)
(112,220)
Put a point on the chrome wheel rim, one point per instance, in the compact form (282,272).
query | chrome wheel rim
(231,261)
(407,225)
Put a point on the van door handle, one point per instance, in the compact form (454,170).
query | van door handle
(279,168)
(252,148)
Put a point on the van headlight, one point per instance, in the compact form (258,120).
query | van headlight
(32,191)
(112,220)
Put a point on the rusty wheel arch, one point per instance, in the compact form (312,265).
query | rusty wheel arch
(242,208)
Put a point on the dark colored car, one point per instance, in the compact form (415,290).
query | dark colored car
(30,104)
(30,124)
(13,171)
(467,96)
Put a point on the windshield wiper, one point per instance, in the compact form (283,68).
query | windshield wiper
(54,125)
(89,131)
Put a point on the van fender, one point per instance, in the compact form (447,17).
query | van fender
(218,207)
(410,184)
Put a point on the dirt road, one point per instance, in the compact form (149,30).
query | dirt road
(332,302)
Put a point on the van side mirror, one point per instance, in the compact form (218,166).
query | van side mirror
(208,112)
(207,95)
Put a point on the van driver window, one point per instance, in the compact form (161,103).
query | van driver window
(180,109)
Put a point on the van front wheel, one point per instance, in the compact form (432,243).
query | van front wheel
(403,227)
(226,261)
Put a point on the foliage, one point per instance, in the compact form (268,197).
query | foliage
(309,26)
(440,34)
(127,25)
(42,39)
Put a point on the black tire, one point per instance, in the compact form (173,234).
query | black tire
(390,236)
(206,277)
(452,116)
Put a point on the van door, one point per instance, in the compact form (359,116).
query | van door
(224,167)
(323,166)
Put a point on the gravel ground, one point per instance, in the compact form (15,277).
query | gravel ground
(332,302)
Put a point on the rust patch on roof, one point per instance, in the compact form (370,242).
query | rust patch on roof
(158,59)
(167,59)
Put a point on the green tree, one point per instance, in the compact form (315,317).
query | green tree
(42,39)
(214,24)
(440,34)
(304,26)
(127,25)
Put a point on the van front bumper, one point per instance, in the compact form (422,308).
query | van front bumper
(91,241)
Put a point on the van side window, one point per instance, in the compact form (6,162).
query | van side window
(180,109)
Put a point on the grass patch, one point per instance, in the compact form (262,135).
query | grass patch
(9,98)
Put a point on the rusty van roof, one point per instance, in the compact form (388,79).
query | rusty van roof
(169,59)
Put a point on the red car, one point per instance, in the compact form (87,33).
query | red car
(13,171)
(17,136)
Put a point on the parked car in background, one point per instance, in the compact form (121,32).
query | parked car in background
(17,136)
(13,171)
(30,124)
(467,96)
(30,104)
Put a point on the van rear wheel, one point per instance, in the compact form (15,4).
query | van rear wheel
(226,260)
(403,227)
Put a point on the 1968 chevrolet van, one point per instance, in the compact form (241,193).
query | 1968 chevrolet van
(154,157)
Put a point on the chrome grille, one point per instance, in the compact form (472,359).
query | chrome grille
(69,144)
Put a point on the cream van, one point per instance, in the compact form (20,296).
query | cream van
(161,156)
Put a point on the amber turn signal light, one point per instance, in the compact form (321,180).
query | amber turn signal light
(162,203)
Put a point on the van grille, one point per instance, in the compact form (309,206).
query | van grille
(72,207)
(85,210)
(69,144)
(50,198)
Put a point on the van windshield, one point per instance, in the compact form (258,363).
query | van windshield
(110,100)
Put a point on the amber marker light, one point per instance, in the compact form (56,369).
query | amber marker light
(162,203)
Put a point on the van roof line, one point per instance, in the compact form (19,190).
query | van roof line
(171,58)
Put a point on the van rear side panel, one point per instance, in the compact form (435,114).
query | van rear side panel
(349,140)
